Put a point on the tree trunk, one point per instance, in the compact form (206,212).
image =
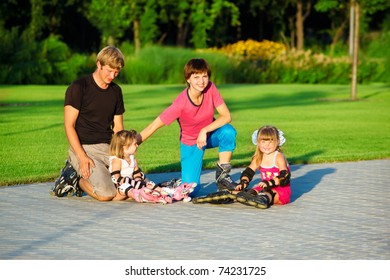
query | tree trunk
(336,37)
(299,23)
(292,33)
(355,49)
(182,31)
(180,37)
(137,40)
(351,26)
(299,26)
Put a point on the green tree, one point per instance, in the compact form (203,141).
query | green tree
(204,15)
(148,23)
(338,12)
(114,18)
(177,12)
(272,15)
(195,18)
(37,21)
(111,18)
(358,9)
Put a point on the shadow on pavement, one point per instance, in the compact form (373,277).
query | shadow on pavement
(307,182)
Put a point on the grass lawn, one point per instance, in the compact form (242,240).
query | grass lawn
(319,123)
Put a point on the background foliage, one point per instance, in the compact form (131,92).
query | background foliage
(265,41)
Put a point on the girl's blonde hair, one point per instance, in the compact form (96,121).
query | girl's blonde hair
(266,132)
(121,139)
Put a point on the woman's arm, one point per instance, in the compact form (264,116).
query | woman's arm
(151,128)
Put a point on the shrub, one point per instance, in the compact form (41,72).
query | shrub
(30,62)
(254,50)
(306,67)
(164,65)
(63,67)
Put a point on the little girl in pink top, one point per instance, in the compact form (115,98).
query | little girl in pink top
(274,169)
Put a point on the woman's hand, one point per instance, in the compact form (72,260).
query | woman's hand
(202,139)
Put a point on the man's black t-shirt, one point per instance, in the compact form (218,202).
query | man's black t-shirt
(97,108)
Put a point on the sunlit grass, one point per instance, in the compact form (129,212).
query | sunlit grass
(319,122)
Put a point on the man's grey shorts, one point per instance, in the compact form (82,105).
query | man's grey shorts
(100,178)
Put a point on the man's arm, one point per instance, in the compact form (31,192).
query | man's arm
(118,123)
(70,117)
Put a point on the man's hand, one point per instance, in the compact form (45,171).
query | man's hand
(86,164)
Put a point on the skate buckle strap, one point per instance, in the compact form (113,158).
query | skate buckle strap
(249,173)
(140,173)
(115,180)
(284,177)
(270,184)
(271,193)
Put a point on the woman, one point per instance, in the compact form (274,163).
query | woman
(194,110)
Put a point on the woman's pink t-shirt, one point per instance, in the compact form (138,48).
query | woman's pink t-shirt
(192,118)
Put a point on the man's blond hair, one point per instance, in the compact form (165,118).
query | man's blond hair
(112,57)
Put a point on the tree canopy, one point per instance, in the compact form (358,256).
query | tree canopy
(188,23)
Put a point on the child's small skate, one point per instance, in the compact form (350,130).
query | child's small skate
(183,191)
(151,188)
(152,197)
(67,183)
(135,194)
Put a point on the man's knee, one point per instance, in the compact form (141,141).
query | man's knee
(100,192)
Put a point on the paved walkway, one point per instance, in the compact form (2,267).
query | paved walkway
(339,211)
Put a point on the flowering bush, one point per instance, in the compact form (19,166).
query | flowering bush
(308,67)
(272,62)
(254,50)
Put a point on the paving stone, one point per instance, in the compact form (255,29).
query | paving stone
(339,211)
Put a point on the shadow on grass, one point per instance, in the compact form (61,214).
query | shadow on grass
(304,159)
(272,100)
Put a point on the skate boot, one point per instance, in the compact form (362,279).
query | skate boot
(252,198)
(147,196)
(79,192)
(173,183)
(67,183)
(223,179)
(135,194)
(183,191)
(219,197)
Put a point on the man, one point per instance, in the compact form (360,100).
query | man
(93,112)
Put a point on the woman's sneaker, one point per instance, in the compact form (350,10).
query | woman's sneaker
(67,183)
